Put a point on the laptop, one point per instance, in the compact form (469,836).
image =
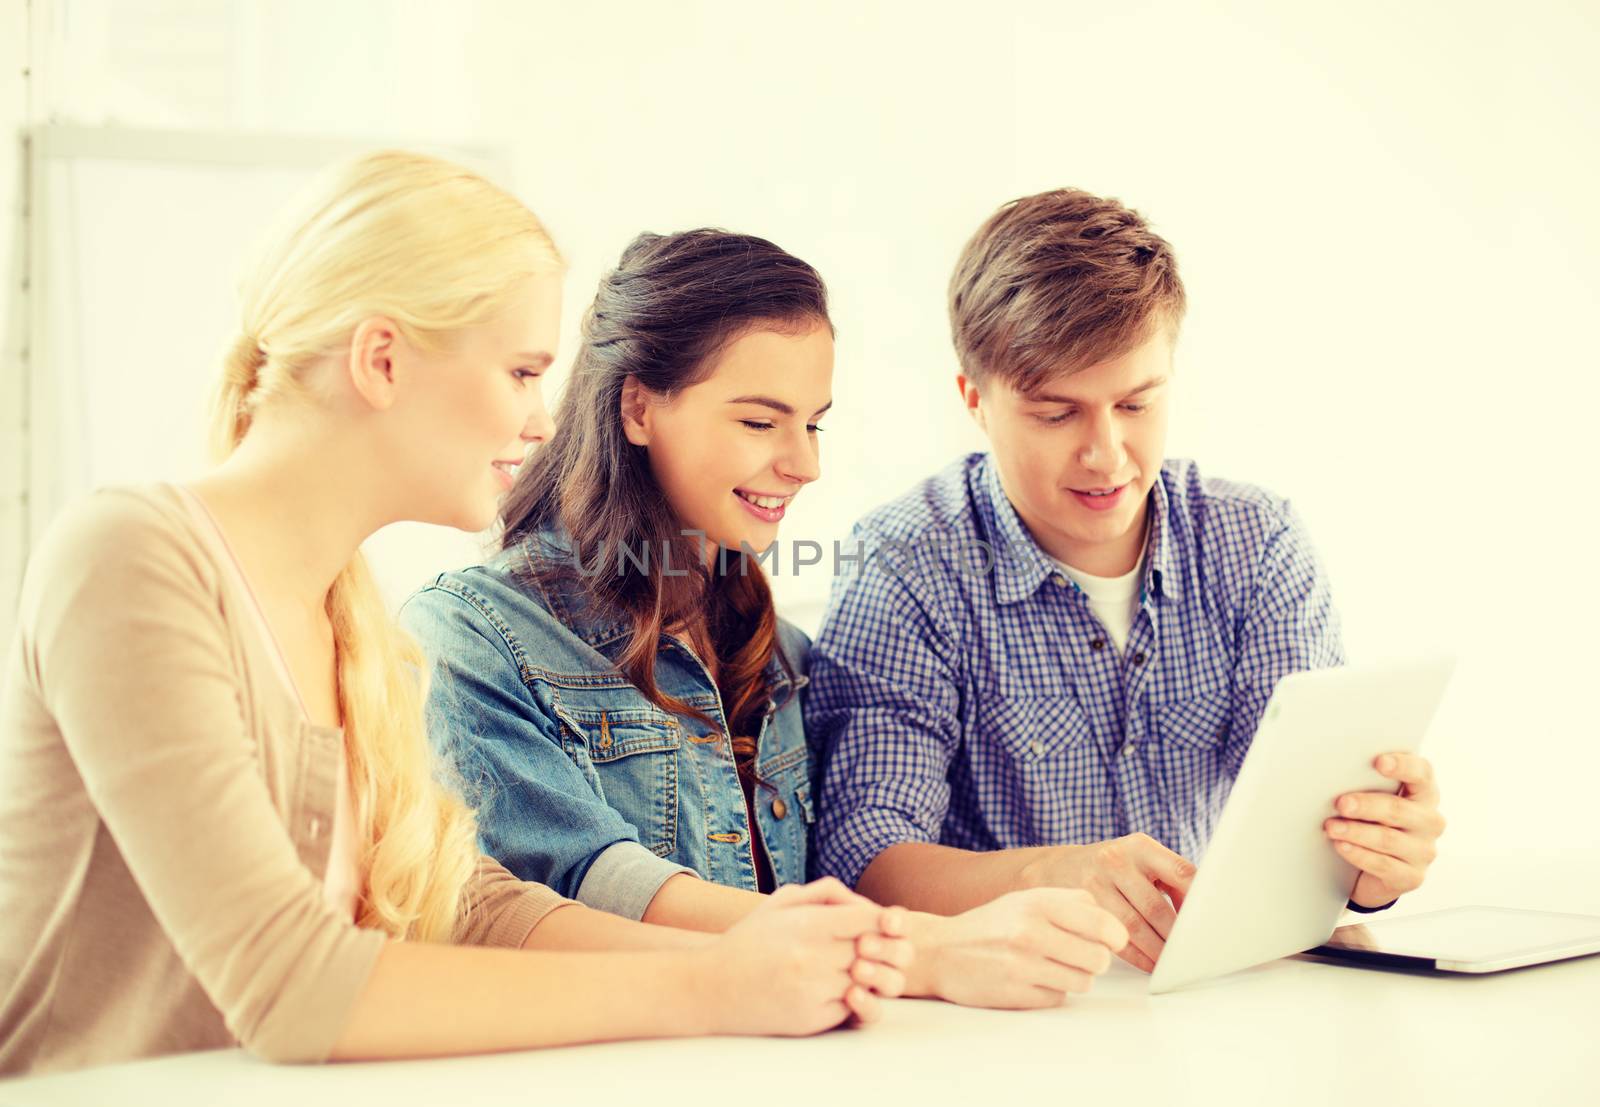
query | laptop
(1270,883)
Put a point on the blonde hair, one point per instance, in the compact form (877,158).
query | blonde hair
(436,248)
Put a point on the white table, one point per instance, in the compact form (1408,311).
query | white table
(1294,1031)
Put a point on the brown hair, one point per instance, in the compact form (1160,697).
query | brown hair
(671,304)
(1058,282)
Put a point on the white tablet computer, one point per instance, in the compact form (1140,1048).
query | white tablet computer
(1270,883)
(1465,939)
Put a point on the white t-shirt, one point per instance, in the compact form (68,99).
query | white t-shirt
(1113,600)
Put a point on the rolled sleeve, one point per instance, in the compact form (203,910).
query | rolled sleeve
(497,909)
(624,878)
(883,709)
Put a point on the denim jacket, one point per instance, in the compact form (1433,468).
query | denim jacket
(581,782)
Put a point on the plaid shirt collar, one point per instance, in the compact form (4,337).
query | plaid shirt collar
(1021,566)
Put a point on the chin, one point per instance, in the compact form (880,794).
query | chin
(476,518)
(756,540)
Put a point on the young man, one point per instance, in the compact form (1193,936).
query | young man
(1050,660)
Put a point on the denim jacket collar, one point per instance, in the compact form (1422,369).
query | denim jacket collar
(569,602)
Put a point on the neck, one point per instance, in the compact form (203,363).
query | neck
(295,510)
(1114,558)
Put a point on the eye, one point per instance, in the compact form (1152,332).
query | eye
(524,375)
(1133,408)
(1054,420)
(812,428)
(756,425)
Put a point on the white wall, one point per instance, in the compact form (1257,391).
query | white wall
(14,115)
(1384,215)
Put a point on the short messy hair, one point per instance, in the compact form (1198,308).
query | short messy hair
(1057,282)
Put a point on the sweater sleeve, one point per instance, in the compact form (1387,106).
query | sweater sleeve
(497,909)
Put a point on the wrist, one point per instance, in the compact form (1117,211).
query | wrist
(705,983)
(1047,867)
(928,934)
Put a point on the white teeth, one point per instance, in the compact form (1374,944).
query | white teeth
(771,503)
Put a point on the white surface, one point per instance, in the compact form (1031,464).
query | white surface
(1290,1032)
(1317,740)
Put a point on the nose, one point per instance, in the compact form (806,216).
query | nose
(799,462)
(539,426)
(1102,450)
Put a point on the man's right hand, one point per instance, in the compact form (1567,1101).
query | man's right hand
(1137,879)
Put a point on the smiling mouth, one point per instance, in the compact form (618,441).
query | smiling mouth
(766,503)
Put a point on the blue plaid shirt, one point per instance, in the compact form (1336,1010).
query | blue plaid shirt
(963,693)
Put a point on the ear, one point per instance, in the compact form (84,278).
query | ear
(634,409)
(971,400)
(372,361)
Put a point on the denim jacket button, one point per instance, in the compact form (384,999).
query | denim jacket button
(779,808)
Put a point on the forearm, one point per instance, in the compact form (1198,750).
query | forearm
(426,1000)
(943,880)
(693,904)
(576,928)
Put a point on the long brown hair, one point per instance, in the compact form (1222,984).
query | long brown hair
(670,305)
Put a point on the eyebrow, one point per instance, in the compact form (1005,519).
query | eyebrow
(539,360)
(777,405)
(1049,398)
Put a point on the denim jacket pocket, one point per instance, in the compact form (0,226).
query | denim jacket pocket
(632,759)
(783,807)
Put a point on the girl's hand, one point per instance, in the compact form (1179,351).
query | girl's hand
(809,958)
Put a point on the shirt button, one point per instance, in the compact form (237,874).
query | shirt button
(1036,748)
(1127,750)
(779,808)
(1098,644)
(1058,580)
(1138,659)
